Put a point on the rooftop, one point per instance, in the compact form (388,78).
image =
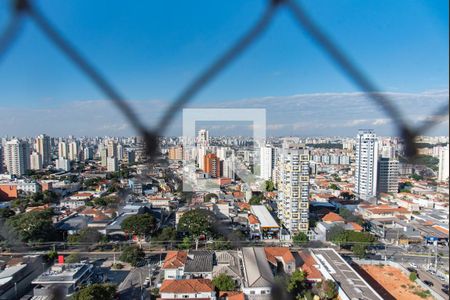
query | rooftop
(186,286)
(352,284)
(264,216)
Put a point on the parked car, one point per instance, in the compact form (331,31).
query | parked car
(427,282)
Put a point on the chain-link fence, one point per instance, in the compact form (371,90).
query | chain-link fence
(20,10)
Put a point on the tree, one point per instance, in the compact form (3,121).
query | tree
(186,243)
(132,255)
(328,290)
(297,284)
(224,282)
(167,234)
(72,258)
(270,187)
(335,234)
(359,250)
(6,212)
(197,222)
(300,238)
(209,196)
(413,276)
(141,225)
(333,187)
(34,226)
(256,200)
(96,291)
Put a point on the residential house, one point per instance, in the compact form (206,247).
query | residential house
(258,277)
(173,265)
(187,289)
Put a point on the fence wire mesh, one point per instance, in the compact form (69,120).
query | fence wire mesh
(21,10)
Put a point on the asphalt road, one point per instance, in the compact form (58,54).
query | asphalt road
(437,284)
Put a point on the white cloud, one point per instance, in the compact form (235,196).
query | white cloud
(301,114)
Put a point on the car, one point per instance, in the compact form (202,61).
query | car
(411,269)
(427,282)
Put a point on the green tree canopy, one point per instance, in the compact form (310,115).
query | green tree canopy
(224,282)
(142,224)
(6,213)
(34,226)
(300,238)
(297,284)
(96,291)
(132,255)
(328,290)
(270,187)
(167,234)
(86,235)
(209,196)
(197,222)
(73,258)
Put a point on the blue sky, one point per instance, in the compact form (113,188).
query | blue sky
(150,50)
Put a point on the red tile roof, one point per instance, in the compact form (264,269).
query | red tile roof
(252,219)
(273,252)
(232,295)
(332,217)
(309,266)
(186,286)
(175,259)
(356,226)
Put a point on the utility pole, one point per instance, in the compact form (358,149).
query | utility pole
(435,256)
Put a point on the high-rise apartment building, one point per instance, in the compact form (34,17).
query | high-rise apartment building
(176,153)
(112,164)
(388,175)
(104,157)
(212,165)
(443,164)
(366,164)
(292,180)
(201,152)
(74,150)
(63,150)
(267,162)
(228,167)
(35,161)
(88,153)
(203,137)
(112,148)
(17,157)
(44,149)
(120,152)
(63,164)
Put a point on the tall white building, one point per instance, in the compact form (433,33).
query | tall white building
(63,164)
(229,169)
(267,162)
(17,157)
(366,167)
(292,180)
(43,148)
(63,150)
(74,150)
(201,152)
(88,153)
(35,161)
(443,164)
(112,164)
(203,137)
